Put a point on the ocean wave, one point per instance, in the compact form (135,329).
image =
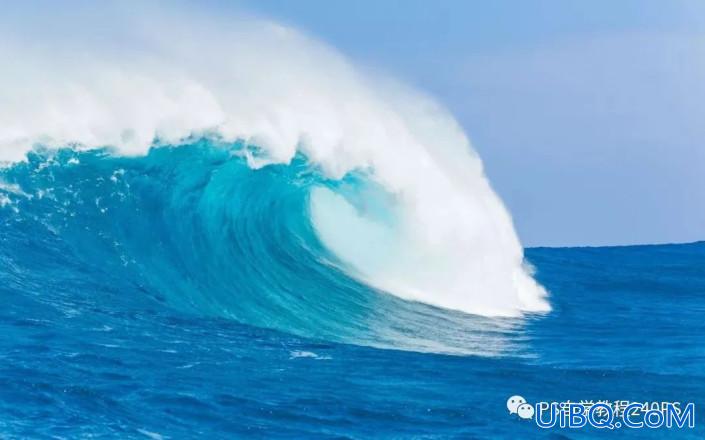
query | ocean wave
(374,180)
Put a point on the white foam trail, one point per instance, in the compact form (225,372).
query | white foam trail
(124,76)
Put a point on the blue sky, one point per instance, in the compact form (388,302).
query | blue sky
(588,114)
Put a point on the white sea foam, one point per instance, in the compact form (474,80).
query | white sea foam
(126,75)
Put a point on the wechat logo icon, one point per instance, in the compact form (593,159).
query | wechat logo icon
(517,405)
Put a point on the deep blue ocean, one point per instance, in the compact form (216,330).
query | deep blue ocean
(182,294)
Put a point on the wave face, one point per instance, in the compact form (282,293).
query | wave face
(197,228)
(437,234)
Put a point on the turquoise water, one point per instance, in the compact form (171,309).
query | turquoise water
(184,295)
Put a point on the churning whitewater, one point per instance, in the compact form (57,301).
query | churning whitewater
(271,123)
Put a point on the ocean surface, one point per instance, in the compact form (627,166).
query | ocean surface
(183,294)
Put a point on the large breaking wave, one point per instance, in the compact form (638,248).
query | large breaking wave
(237,167)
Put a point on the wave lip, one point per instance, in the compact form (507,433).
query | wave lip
(450,241)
